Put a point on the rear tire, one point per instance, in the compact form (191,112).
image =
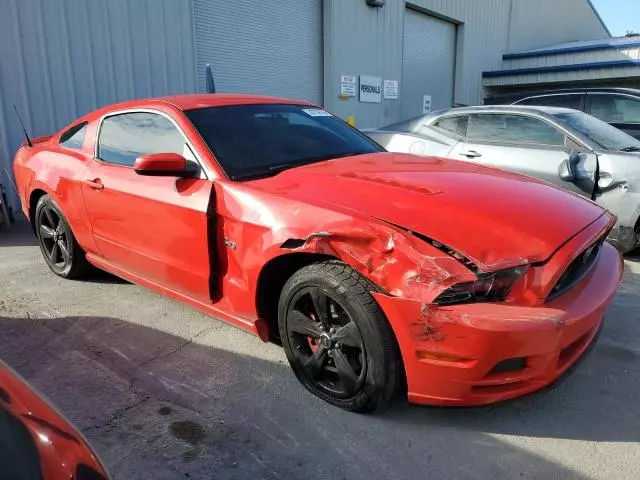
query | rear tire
(347,354)
(59,247)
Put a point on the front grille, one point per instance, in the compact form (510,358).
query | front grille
(576,270)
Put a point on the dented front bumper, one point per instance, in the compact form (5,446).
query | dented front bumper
(487,352)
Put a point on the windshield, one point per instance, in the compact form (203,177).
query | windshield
(608,137)
(251,141)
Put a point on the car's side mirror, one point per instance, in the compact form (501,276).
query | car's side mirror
(165,165)
(567,168)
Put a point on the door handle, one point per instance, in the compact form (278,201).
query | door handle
(471,154)
(96,184)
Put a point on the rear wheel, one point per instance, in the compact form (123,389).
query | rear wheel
(59,247)
(337,339)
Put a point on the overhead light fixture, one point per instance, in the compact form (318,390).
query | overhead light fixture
(375,3)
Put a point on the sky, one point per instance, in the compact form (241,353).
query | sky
(619,15)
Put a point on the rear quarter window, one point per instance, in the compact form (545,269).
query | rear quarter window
(74,137)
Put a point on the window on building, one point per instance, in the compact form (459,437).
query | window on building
(127,136)
(615,108)
(455,124)
(573,100)
(74,137)
(518,129)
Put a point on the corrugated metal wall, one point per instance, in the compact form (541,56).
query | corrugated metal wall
(573,58)
(64,58)
(539,23)
(482,39)
(428,62)
(569,58)
(360,40)
(363,40)
(593,76)
(271,47)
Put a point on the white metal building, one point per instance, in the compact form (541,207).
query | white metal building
(62,58)
(613,62)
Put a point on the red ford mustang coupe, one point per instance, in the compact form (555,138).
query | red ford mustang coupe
(376,271)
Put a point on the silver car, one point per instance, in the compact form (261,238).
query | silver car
(566,147)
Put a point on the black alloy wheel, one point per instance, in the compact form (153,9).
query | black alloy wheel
(337,339)
(326,342)
(57,243)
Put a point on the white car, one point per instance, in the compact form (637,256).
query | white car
(566,147)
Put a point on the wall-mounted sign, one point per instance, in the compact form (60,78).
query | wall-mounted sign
(426,104)
(391,89)
(347,85)
(370,89)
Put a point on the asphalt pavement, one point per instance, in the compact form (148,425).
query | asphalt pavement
(164,392)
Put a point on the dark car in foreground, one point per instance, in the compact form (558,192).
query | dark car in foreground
(619,107)
(571,149)
(376,271)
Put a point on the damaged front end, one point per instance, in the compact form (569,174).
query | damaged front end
(400,264)
(470,335)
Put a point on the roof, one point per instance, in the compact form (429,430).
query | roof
(577,46)
(193,101)
(203,100)
(521,94)
(511,108)
(564,68)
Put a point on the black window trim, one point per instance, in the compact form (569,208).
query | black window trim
(545,146)
(203,166)
(75,128)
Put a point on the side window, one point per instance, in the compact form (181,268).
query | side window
(615,108)
(127,136)
(74,137)
(455,124)
(505,128)
(573,100)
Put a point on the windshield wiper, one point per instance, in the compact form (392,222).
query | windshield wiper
(630,148)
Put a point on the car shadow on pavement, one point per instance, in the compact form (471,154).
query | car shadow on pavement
(158,406)
(95,275)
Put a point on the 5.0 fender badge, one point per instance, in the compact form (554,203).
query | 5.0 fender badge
(230,244)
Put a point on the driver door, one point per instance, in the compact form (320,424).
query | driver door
(151,226)
(525,144)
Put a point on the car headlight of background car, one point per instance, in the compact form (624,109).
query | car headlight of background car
(489,287)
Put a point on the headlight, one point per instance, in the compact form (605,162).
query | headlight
(489,287)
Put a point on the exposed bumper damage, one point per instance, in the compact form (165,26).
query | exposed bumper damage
(624,238)
(481,352)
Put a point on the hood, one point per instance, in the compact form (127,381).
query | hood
(491,216)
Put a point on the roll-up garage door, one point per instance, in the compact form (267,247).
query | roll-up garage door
(270,47)
(429,55)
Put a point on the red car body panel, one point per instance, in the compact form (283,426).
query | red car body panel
(60,447)
(401,221)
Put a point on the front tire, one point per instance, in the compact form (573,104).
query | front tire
(337,339)
(59,247)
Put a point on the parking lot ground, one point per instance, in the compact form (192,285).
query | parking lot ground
(163,392)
